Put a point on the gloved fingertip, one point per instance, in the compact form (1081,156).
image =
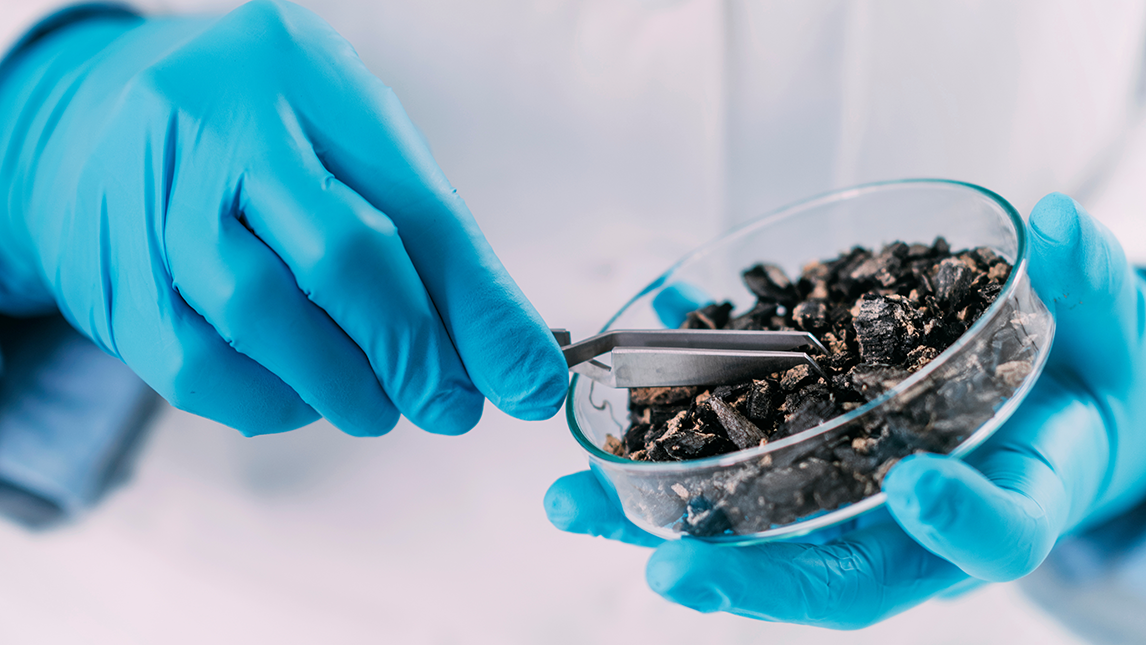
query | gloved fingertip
(682,571)
(453,411)
(299,416)
(372,431)
(673,303)
(559,506)
(541,398)
(577,503)
(1055,221)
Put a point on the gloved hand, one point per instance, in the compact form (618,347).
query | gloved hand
(246,216)
(1073,454)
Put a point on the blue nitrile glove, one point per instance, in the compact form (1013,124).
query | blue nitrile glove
(1073,454)
(246,216)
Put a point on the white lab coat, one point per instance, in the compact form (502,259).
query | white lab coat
(595,141)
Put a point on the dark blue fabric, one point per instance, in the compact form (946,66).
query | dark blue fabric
(70,419)
(70,415)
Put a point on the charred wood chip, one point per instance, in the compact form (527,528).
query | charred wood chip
(918,251)
(661,395)
(940,248)
(634,439)
(883,269)
(999,272)
(760,317)
(986,257)
(919,357)
(731,392)
(747,323)
(769,283)
(989,292)
(1012,373)
(812,315)
(681,442)
(614,446)
(659,416)
(797,377)
(740,430)
(885,327)
(813,282)
(762,401)
(703,519)
(952,280)
(881,472)
(833,343)
(714,316)
(873,380)
(808,408)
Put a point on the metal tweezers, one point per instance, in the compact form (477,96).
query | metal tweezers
(670,357)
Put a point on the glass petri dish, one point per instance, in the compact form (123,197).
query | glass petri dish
(950,406)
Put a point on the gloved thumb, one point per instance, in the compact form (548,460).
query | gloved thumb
(1080,271)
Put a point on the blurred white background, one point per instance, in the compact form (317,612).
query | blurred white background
(596,142)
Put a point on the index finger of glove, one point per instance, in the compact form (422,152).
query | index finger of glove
(576,503)
(862,579)
(346,258)
(365,138)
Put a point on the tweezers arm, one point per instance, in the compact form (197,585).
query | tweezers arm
(669,357)
(640,367)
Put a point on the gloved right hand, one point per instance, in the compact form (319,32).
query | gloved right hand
(1073,455)
(246,216)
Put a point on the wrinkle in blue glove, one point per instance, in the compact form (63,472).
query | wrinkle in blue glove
(243,214)
(1072,455)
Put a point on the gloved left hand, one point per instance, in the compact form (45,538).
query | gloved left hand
(1073,454)
(244,214)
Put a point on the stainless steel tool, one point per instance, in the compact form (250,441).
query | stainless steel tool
(668,357)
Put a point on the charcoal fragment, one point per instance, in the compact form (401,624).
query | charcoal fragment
(714,316)
(999,272)
(812,315)
(703,519)
(681,442)
(873,380)
(986,257)
(762,401)
(884,268)
(769,283)
(952,280)
(918,251)
(940,248)
(798,377)
(919,357)
(885,328)
(661,395)
(741,431)
(1012,373)
(808,408)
